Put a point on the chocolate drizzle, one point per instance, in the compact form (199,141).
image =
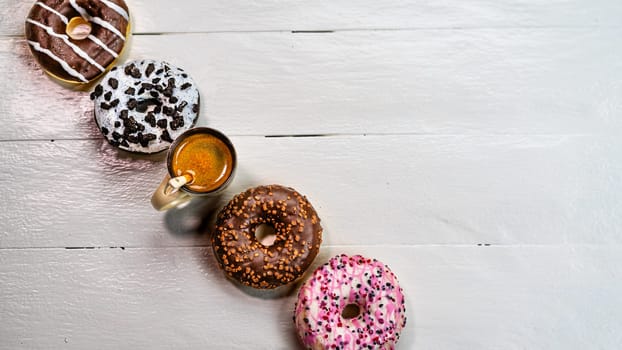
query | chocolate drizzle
(76,60)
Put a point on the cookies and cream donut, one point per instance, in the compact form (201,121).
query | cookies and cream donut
(297,229)
(144,105)
(77,40)
(350,303)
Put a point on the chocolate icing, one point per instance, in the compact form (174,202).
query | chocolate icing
(298,236)
(77,61)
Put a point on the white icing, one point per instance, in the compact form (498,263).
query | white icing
(116,8)
(90,37)
(65,38)
(344,280)
(62,18)
(102,45)
(96,20)
(35,45)
(106,118)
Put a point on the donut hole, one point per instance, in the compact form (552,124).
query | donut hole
(350,311)
(78,28)
(265,234)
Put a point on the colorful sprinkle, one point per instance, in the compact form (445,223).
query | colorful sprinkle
(367,284)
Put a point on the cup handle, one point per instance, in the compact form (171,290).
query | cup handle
(166,196)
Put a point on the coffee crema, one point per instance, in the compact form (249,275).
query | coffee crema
(206,158)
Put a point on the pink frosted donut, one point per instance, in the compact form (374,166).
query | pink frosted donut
(350,303)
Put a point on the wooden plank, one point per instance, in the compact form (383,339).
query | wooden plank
(521,297)
(367,189)
(157,16)
(512,81)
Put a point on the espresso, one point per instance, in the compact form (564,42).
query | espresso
(206,158)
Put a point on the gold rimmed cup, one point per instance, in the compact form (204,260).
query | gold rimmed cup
(200,162)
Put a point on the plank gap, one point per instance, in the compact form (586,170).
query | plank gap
(311,31)
(338,246)
(300,135)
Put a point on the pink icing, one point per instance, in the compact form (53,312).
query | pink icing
(345,280)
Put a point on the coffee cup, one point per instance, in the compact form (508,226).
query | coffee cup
(200,162)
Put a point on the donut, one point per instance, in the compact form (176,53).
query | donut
(366,286)
(297,229)
(76,41)
(144,105)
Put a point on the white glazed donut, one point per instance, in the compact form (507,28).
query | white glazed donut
(364,284)
(144,105)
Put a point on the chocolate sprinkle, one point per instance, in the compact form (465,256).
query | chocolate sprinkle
(114,83)
(135,73)
(149,105)
(149,69)
(165,136)
(150,118)
(145,139)
(168,110)
(128,69)
(297,229)
(162,123)
(182,105)
(99,90)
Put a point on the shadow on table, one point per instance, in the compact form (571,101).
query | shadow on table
(196,219)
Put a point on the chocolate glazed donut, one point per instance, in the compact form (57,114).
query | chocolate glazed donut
(105,24)
(297,229)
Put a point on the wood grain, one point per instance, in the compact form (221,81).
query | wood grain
(472,146)
(514,81)
(456,298)
(158,16)
(425,189)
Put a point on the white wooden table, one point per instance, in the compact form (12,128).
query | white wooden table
(473,146)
